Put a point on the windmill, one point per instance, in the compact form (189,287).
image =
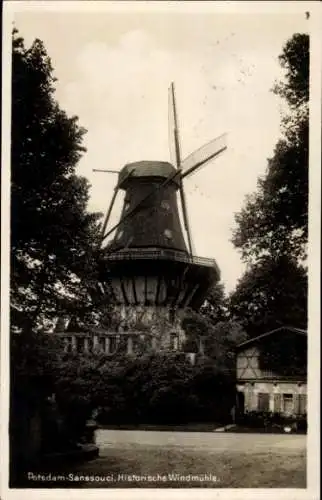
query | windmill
(148,271)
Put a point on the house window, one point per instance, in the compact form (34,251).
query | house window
(113,345)
(263,401)
(174,342)
(68,344)
(80,344)
(288,403)
(100,343)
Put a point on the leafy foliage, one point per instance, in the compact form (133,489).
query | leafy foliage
(274,220)
(215,306)
(272,228)
(295,59)
(52,235)
(271,294)
(53,238)
(216,340)
(35,364)
(272,422)
(154,388)
(285,354)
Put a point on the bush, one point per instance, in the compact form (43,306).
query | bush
(165,389)
(268,420)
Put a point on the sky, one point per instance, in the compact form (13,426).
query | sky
(114,69)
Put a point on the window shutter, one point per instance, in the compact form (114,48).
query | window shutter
(263,401)
(277,403)
(302,403)
(296,404)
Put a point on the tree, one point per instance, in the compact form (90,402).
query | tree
(52,235)
(284,354)
(216,340)
(53,238)
(272,228)
(215,306)
(274,220)
(295,61)
(270,294)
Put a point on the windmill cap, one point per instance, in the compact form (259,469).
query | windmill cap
(146,169)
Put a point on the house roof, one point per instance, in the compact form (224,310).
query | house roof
(145,170)
(271,332)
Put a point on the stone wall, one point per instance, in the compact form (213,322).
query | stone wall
(130,329)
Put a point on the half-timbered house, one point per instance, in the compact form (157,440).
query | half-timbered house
(272,372)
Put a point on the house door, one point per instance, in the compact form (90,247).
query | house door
(288,403)
(240,400)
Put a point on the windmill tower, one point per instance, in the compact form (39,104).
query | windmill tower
(148,271)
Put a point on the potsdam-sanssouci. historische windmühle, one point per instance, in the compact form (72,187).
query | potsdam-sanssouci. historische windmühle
(150,276)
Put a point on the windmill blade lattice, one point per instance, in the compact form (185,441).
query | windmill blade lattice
(171,127)
(204,154)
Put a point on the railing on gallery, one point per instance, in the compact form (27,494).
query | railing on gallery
(161,254)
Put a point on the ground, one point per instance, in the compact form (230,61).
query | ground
(203,459)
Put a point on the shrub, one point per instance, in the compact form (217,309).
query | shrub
(257,419)
(166,389)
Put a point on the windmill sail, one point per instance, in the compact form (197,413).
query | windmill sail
(108,213)
(204,154)
(174,145)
